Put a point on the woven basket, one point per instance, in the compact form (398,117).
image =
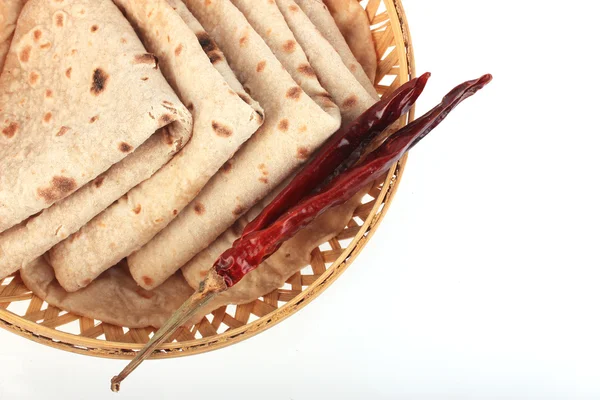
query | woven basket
(27,315)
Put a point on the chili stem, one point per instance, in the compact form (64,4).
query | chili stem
(208,289)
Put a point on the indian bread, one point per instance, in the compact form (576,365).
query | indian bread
(78,93)
(298,119)
(213,52)
(33,237)
(291,25)
(9,12)
(222,122)
(353,22)
(113,298)
(365,67)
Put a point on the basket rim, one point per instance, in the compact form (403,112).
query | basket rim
(121,350)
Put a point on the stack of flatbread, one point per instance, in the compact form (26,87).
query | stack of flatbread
(140,137)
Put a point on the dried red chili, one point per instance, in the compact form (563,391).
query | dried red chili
(250,250)
(346,144)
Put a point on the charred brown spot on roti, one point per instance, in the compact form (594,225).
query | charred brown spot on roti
(215,57)
(94,119)
(207,3)
(167,118)
(264,180)
(263,169)
(302,153)
(68,72)
(306,69)
(48,93)
(137,209)
(289,46)
(99,81)
(199,208)
(99,181)
(151,116)
(123,40)
(147,280)
(244,40)
(294,93)
(10,130)
(59,19)
(46,45)
(167,103)
(221,130)
(94,28)
(47,117)
(260,67)
(178,49)
(25,54)
(294,8)
(239,210)
(60,186)
(190,106)
(206,42)
(146,58)
(175,212)
(63,130)
(303,129)
(283,125)
(145,78)
(33,77)
(269,31)
(227,167)
(350,102)
(125,147)
(37,34)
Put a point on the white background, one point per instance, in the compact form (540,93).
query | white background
(483,280)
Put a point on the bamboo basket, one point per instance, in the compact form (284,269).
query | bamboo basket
(27,315)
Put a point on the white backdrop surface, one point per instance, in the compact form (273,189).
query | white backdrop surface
(483,280)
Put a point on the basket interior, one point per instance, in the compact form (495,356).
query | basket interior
(27,315)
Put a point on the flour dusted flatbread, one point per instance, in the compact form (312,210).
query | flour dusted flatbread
(292,25)
(23,243)
(222,122)
(9,12)
(31,238)
(298,118)
(213,52)
(78,93)
(113,298)
(362,44)
(353,22)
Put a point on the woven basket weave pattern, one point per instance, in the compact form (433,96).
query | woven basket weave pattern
(27,315)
